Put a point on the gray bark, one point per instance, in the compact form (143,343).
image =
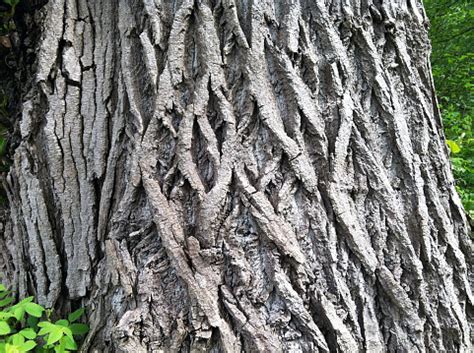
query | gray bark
(226,176)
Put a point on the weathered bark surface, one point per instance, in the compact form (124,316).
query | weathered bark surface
(227,175)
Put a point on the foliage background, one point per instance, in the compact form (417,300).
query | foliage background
(452,39)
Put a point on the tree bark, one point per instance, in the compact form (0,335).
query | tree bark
(226,176)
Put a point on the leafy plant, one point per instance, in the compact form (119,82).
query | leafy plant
(3,140)
(27,326)
(7,24)
(452,38)
(13,4)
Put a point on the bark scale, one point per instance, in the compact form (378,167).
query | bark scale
(223,175)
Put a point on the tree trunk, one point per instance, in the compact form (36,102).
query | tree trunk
(227,176)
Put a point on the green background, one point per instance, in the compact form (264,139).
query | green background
(452,38)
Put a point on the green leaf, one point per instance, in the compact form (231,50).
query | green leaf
(3,294)
(12,3)
(26,300)
(6,301)
(2,288)
(79,329)
(19,312)
(75,315)
(69,343)
(28,346)
(67,331)
(60,349)
(5,316)
(17,339)
(12,349)
(453,146)
(3,146)
(28,333)
(64,323)
(45,324)
(34,309)
(55,336)
(4,328)
(46,327)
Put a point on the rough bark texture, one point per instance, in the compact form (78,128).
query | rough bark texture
(240,175)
